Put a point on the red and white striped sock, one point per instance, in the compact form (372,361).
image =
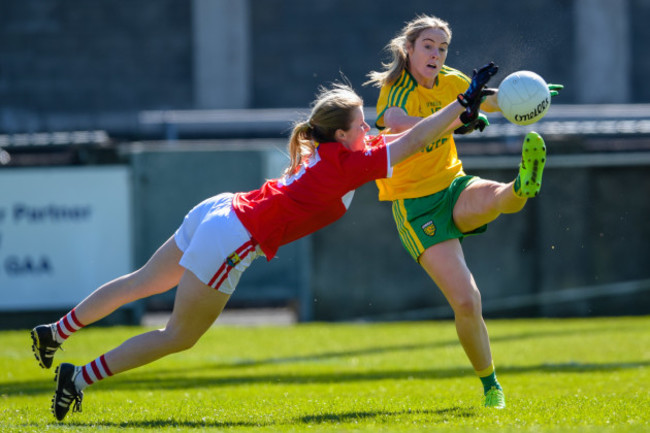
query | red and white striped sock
(92,372)
(66,326)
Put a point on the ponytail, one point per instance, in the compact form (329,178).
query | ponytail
(332,110)
(301,145)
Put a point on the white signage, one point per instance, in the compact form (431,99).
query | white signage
(63,233)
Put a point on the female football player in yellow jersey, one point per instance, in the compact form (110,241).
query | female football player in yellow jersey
(435,204)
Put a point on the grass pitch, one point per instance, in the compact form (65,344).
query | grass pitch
(588,375)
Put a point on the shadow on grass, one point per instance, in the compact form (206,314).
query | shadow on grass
(175,379)
(326,418)
(454,412)
(178,381)
(324,356)
(377,350)
(163,424)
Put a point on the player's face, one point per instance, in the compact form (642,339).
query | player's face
(427,55)
(353,137)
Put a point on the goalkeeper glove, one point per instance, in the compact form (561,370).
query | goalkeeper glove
(472,111)
(479,123)
(475,93)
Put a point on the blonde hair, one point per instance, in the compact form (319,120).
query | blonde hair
(397,48)
(332,110)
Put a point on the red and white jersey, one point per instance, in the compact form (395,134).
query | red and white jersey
(319,193)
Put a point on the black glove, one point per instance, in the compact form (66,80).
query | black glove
(474,95)
(479,79)
(479,123)
(471,112)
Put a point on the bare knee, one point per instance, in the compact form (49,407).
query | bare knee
(467,304)
(492,201)
(177,341)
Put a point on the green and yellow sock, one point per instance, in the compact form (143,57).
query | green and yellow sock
(488,377)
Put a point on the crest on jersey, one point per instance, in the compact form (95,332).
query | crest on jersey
(429,228)
(233,260)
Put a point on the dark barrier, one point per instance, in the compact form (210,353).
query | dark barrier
(586,229)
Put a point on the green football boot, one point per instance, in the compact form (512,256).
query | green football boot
(495,398)
(533,159)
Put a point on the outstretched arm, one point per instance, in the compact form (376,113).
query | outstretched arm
(425,131)
(429,128)
(398,121)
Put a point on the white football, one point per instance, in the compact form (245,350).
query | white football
(523,97)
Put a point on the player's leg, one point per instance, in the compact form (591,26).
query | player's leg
(482,201)
(217,250)
(159,274)
(196,307)
(445,264)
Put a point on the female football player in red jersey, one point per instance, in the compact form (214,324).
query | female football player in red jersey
(330,155)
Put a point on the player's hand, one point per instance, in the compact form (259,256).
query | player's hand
(472,111)
(479,123)
(475,93)
(480,78)
(555,88)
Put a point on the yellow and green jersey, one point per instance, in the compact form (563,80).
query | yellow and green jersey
(433,168)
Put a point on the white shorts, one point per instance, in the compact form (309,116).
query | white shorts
(216,247)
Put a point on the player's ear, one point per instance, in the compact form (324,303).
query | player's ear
(408,48)
(339,135)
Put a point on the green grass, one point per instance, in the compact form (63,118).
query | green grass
(559,375)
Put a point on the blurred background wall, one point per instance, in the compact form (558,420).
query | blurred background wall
(100,56)
(197,97)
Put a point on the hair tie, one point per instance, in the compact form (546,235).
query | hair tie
(309,124)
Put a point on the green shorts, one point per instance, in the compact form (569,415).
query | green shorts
(425,221)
